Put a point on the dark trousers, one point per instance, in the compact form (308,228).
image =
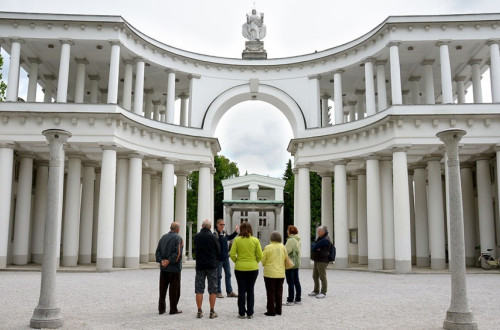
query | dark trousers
(274,290)
(294,288)
(246,283)
(227,275)
(174,280)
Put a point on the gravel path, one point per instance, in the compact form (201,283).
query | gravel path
(356,300)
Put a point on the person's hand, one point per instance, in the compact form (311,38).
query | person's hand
(164,263)
(236,228)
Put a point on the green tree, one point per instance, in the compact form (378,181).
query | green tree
(224,169)
(3,85)
(288,215)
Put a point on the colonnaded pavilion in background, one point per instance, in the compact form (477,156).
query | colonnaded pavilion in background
(115,89)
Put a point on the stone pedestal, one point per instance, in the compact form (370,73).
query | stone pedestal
(254,50)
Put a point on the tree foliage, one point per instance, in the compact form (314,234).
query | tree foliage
(3,85)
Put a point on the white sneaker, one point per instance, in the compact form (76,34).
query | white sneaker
(320,296)
(289,303)
(298,303)
(313,294)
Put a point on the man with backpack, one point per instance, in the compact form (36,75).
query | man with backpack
(320,252)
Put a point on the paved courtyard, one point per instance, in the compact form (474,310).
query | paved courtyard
(127,299)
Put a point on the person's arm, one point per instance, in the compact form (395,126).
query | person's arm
(289,246)
(321,243)
(175,256)
(264,256)
(217,247)
(232,253)
(258,252)
(158,253)
(233,235)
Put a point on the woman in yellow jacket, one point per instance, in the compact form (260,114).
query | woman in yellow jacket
(246,253)
(273,260)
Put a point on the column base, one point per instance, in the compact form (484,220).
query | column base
(104,264)
(403,266)
(84,259)
(93,257)
(46,318)
(470,261)
(69,261)
(423,262)
(132,262)
(19,259)
(363,260)
(375,264)
(37,258)
(458,320)
(144,258)
(118,262)
(353,258)
(152,257)
(389,264)
(3,262)
(341,263)
(438,263)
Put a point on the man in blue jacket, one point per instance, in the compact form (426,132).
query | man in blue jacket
(224,259)
(319,253)
(169,256)
(207,252)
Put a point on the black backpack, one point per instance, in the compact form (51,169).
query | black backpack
(332,252)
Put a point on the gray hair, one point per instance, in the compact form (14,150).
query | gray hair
(206,224)
(323,229)
(275,237)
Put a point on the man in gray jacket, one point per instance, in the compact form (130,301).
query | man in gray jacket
(169,256)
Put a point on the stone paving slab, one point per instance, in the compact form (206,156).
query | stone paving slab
(127,299)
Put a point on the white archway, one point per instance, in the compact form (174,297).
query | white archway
(281,100)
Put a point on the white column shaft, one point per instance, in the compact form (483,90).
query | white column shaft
(167,198)
(6,168)
(86,215)
(170,98)
(476,83)
(341,217)
(466,179)
(303,217)
(421,218)
(153,226)
(94,88)
(203,196)
(62,80)
(436,215)
(374,217)
(95,216)
(460,92)
(446,86)
(184,114)
(337,97)
(33,81)
(127,86)
(397,95)
(148,105)
(381,90)
(429,84)
(145,216)
(362,222)
(325,118)
(387,213)
(14,65)
(72,213)
(495,72)
(415,92)
(133,225)
(485,206)
(353,217)
(114,70)
(80,82)
(120,212)
(370,89)
(327,204)
(40,208)
(181,204)
(139,87)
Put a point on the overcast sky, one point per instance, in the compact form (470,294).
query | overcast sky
(254,134)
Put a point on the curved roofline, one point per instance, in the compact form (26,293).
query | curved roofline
(420,19)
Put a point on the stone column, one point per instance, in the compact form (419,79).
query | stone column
(139,86)
(337,96)
(106,218)
(204,194)
(87,213)
(415,90)
(95,216)
(104,94)
(402,228)
(127,85)
(23,211)
(156,110)
(381,89)
(460,80)
(412,218)
(477,91)
(184,110)
(353,217)
(212,189)
(194,89)
(122,169)
(170,107)
(40,208)
(47,314)
(495,70)
(62,80)
(436,213)
(181,202)
(325,118)
(341,216)
(446,86)
(369,88)
(114,70)
(14,66)
(133,225)
(374,217)
(145,214)
(167,197)
(33,78)
(485,205)
(94,87)
(295,195)
(421,219)
(459,315)
(466,179)
(155,208)
(313,92)
(360,104)
(362,222)
(387,195)
(397,96)
(327,202)
(352,110)
(6,171)
(49,82)
(303,219)
(72,211)
(429,82)
(80,79)
(190,245)
(148,103)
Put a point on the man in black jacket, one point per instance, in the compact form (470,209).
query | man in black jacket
(207,252)
(319,253)
(169,256)
(223,237)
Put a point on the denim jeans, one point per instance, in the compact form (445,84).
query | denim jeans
(227,272)
(294,288)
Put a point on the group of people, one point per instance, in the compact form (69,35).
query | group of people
(212,256)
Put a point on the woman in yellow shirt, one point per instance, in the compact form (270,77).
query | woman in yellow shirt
(246,253)
(273,260)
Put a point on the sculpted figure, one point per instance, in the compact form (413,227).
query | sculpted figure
(254,28)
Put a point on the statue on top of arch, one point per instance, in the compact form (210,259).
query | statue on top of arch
(254,29)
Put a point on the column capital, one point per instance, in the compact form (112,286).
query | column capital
(496,147)
(394,43)
(138,59)
(380,62)
(400,148)
(42,162)
(182,172)
(473,61)
(18,40)
(418,166)
(352,103)
(481,157)
(359,172)
(135,155)
(493,42)
(156,102)
(27,154)
(433,158)
(115,42)
(459,78)
(340,162)
(466,165)
(304,165)
(339,71)
(128,61)
(183,96)
(314,76)
(109,147)
(75,155)
(193,76)
(368,60)
(149,91)
(325,96)
(148,171)
(167,161)
(326,174)
(205,165)
(56,134)
(67,42)
(414,78)
(82,60)
(103,90)
(440,43)
(428,62)
(49,77)
(359,92)
(169,70)
(94,77)
(90,163)
(34,60)
(374,156)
